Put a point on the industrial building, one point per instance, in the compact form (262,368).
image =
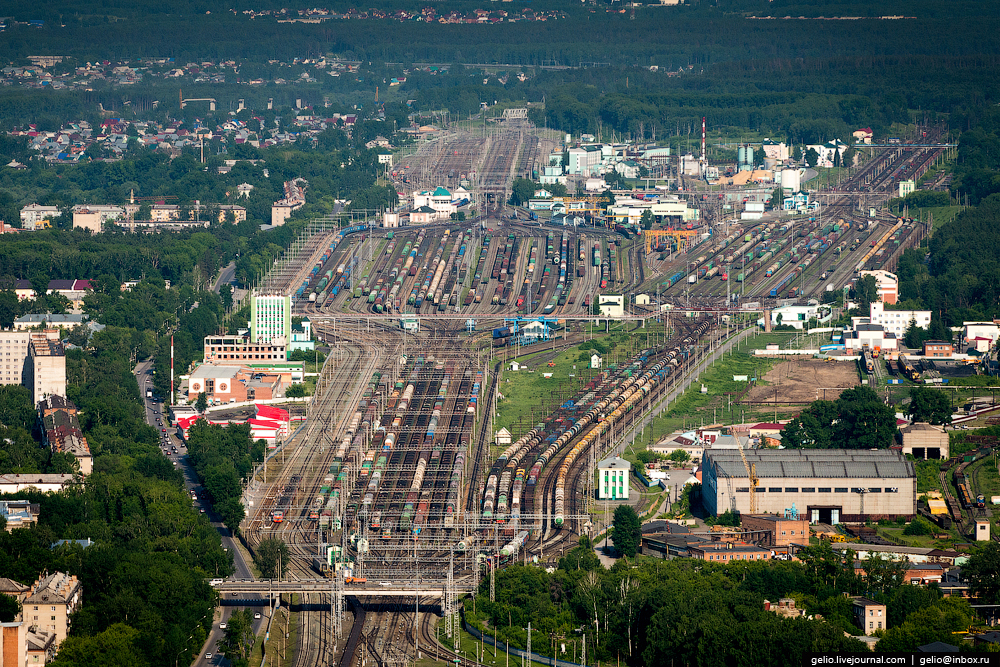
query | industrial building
(871,336)
(894,321)
(924,441)
(825,485)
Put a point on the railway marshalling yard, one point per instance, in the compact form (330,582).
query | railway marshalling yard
(392,497)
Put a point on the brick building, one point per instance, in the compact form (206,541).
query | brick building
(61,431)
(782,531)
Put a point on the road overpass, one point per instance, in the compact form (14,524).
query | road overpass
(272,587)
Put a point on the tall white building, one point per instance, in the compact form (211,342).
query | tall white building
(894,321)
(612,479)
(271,319)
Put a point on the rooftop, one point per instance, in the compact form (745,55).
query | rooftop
(820,463)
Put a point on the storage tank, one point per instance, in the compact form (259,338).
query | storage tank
(741,155)
(790,180)
(750,155)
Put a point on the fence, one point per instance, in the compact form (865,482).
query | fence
(500,646)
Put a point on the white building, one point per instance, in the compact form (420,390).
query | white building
(887,284)
(980,334)
(872,336)
(894,321)
(271,319)
(585,160)
(775,151)
(94,216)
(826,151)
(612,479)
(596,361)
(611,305)
(906,187)
(440,200)
(798,316)
(34,214)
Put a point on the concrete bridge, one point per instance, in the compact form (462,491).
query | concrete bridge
(243,590)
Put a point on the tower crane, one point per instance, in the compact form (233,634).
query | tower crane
(752,474)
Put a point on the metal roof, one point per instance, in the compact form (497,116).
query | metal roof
(818,463)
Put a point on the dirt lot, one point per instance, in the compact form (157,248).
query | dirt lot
(805,380)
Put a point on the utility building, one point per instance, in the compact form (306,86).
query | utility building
(826,485)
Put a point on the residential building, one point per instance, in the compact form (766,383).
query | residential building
(271,319)
(826,485)
(13,644)
(894,321)
(781,530)
(36,216)
(785,608)
(886,283)
(19,514)
(612,479)
(244,190)
(44,482)
(45,370)
(938,348)
(40,647)
(13,354)
(295,198)
(14,589)
(503,437)
(51,602)
(24,290)
(906,187)
(73,290)
(48,320)
(869,615)
(61,431)
(95,216)
(596,361)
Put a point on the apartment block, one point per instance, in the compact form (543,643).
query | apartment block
(51,602)
(45,370)
(62,433)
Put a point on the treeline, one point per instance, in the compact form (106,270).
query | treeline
(145,596)
(224,459)
(650,612)
(667,37)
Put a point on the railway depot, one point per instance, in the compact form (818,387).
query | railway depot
(395,482)
(827,486)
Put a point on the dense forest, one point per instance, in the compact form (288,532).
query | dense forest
(652,612)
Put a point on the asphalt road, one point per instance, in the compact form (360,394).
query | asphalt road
(174,449)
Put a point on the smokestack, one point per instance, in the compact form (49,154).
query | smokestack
(704,159)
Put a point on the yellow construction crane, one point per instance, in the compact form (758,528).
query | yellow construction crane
(752,474)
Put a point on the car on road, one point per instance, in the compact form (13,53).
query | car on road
(222,626)
(208,656)
(257,615)
(163,430)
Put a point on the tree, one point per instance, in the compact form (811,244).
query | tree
(915,336)
(679,456)
(226,294)
(608,198)
(863,420)
(982,571)
(777,199)
(812,157)
(646,219)
(929,405)
(865,292)
(836,158)
(521,191)
(296,391)
(238,640)
(626,531)
(272,558)
(145,212)
(201,403)
(9,608)
(797,153)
